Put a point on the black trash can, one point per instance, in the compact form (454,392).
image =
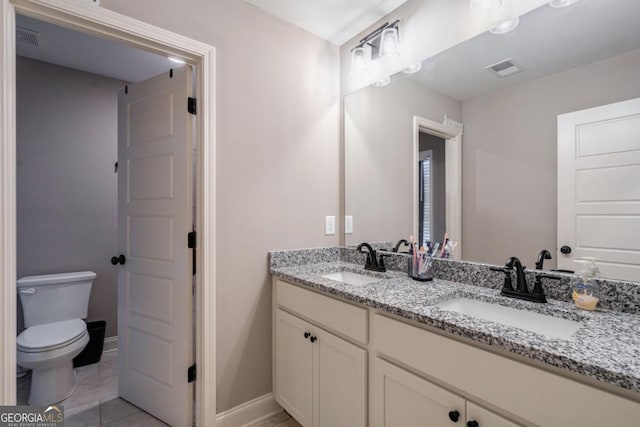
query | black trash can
(92,353)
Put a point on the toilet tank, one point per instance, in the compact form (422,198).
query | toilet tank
(55,297)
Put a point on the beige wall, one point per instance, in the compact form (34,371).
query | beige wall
(379,179)
(278,153)
(509,156)
(66,186)
(428,27)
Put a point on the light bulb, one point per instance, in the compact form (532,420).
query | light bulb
(505,26)
(483,6)
(389,46)
(359,62)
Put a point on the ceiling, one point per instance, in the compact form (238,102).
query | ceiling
(546,42)
(72,49)
(334,20)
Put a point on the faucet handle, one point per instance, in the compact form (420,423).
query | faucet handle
(508,286)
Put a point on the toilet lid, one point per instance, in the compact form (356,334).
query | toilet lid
(51,335)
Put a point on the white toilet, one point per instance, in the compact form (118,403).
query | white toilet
(53,307)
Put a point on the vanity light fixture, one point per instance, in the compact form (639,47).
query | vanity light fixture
(389,45)
(381,44)
(562,3)
(176,60)
(479,7)
(505,26)
(360,57)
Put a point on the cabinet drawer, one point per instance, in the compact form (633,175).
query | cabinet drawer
(340,317)
(534,394)
(401,399)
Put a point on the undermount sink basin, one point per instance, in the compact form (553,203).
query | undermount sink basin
(550,326)
(350,278)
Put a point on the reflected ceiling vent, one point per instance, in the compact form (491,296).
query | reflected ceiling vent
(505,68)
(28,37)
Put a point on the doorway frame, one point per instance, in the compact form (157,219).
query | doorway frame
(95,20)
(453,174)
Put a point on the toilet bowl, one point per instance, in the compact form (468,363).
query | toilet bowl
(53,306)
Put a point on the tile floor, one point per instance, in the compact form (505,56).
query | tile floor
(95,403)
(279,420)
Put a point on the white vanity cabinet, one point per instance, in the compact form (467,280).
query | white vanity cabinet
(319,378)
(524,392)
(417,377)
(402,399)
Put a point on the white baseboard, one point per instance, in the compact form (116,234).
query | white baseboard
(249,413)
(110,344)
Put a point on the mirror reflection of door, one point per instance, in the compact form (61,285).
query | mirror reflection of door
(432,185)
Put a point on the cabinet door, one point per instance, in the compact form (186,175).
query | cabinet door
(401,399)
(293,368)
(339,382)
(485,418)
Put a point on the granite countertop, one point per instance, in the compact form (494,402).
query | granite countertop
(605,348)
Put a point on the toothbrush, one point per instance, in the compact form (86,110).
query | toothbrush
(413,249)
(433,254)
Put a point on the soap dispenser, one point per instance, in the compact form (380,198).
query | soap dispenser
(586,292)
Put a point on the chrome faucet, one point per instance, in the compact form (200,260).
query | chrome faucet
(372,258)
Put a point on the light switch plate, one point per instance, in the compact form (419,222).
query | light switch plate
(330,225)
(348,224)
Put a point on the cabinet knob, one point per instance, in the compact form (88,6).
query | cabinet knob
(307,335)
(454,416)
(313,339)
(566,250)
(473,423)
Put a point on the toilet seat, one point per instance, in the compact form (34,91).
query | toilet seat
(51,336)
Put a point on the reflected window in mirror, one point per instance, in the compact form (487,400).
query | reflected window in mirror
(432,189)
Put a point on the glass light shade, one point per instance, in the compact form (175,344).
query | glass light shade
(383,82)
(413,68)
(562,3)
(359,62)
(389,45)
(483,6)
(505,26)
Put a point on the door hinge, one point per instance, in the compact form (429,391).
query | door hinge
(191,240)
(191,105)
(191,244)
(191,373)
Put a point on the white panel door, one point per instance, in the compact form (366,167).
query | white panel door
(339,382)
(155,317)
(293,366)
(401,399)
(599,188)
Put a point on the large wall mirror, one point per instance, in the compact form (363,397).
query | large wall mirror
(497,191)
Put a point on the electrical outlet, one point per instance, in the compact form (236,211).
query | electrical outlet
(348,224)
(330,225)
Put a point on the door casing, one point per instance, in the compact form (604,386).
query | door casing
(88,18)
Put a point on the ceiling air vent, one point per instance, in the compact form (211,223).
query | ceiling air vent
(28,37)
(505,68)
